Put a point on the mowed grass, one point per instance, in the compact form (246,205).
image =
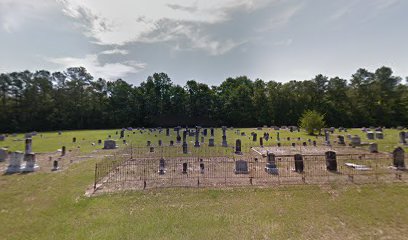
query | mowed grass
(51,141)
(52,205)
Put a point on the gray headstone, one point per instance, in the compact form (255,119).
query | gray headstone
(341,140)
(373,148)
(3,154)
(63,150)
(299,166)
(238,146)
(379,135)
(331,161)
(15,162)
(109,144)
(28,145)
(370,135)
(162,166)
(399,158)
(355,140)
(211,142)
(241,167)
(30,160)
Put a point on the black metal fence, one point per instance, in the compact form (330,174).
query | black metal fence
(141,168)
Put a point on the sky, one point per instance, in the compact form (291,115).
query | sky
(205,40)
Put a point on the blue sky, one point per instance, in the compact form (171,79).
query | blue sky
(205,40)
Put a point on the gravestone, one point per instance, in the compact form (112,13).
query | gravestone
(355,140)
(373,147)
(59,132)
(171,143)
(148,143)
(299,166)
(341,140)
(271,167)
(205,132)
(241,167)
(331,161)
(3,154)
(74,139)
(185,167)
(399,158)
(402,137)
(211,142)
(327,138)
(304,144)
(197,135)
(254,136)
(224,141)
(55,166)
(201,167)
(109,144)
(167,131)
(124,141)
(14,135)
(99,141)
(370,135)
(28,135)
(314,143)
(178,138)
(293,144)
(30,160)
(379,135)
(28,145)
(185,148)
(277,136)
(279,144)
(160,142)
(212,132)
(2,137)
(63,150)
(151,149)
(238,146)
(122,133)
(162,167)
(15,162)
(261,141)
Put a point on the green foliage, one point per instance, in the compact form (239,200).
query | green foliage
(74,99)
(312,121)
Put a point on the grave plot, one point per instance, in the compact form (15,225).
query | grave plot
(203,167)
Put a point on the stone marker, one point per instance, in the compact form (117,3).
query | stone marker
(261,141)
(3,154)
(74,139)
(185,166)
(124,141)
(2,137)
(185,147)
(355,140)
(327,138)
(373,148)
(55,166)
(151,149)
(279,144)
(160,142)
(304,144)
(162,167)
(15,162)
(399,158)
(341,140)
(370,135)
(254,136)
(314,143)
(299,166)
(277,136)
(171,143)
(30,160)
(99,141)
(122,133)
(271,167)
(379,135)
(109,144)
(63,150)
(212,132)
(211,142)
(331,161)
(241,167)
(293,144)
(205,132)
(167,131)
(201,167)
(238,146)
(402,137)
(148,143)
(197,135)
(28,145)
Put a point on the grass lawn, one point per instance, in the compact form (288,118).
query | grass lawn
(51,205)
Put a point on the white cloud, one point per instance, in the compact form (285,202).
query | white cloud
(115,51)
(109,71)
(125,21)
(15,13)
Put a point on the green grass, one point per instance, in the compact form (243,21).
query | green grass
(51,141)
(51,205)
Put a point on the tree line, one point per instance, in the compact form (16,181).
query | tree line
(74,99)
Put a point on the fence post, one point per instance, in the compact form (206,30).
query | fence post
(96,167)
